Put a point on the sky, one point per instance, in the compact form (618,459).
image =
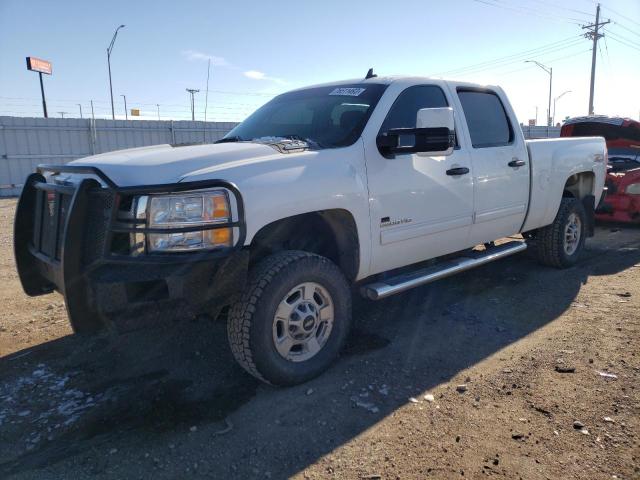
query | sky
(259,49)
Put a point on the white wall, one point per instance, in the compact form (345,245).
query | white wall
(540,131)
(27,142)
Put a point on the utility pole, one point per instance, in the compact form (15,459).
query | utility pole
(192,91)
(126,113)
(109,50)
(594,35)
(549,70)
(62,114)
(158,105)
(80,107)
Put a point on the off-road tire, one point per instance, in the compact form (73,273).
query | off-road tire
(250,322)
(548,246)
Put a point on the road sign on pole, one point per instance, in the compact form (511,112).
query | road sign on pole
(41,66)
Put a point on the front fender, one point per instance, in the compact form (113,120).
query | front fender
(315,181)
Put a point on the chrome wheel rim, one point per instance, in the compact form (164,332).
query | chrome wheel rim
(572,233)
(303,322)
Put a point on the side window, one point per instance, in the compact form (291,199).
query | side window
(487,120)
(404,111)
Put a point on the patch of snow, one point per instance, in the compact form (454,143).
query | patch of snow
(42,397)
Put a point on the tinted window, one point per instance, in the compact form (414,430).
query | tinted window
(404,111)
(488,122)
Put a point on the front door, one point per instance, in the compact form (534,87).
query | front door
(419,210)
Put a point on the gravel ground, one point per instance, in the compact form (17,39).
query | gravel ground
(512,370)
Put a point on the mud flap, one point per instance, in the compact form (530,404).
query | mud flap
(589,203)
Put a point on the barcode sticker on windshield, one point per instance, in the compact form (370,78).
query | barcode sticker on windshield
(348,91)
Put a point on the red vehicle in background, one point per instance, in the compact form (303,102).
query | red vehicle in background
(622,200)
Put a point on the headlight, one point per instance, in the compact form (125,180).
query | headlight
(189,210)
(633,189)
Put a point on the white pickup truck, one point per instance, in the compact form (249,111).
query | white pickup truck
(372,186)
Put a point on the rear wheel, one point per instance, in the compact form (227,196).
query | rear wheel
(560,244)
(293,318)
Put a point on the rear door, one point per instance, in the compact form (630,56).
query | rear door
(500,164)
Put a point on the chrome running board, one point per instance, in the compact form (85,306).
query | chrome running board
(406,281)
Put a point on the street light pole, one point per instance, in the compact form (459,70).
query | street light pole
(109,49)
(192,91)
(549,70)
(126,112)
(553,119)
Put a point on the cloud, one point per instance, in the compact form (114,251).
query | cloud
(195,56)
(257,75)
(254,74)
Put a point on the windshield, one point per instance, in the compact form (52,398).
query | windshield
(325,117)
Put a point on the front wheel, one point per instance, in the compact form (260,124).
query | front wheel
(292,319)
(560,244)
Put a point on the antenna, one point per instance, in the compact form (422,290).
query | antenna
(370,74)
(206,101)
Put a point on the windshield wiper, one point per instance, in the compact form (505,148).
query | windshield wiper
(311,142)
(230,139)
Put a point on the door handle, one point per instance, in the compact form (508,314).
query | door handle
(457,171)
(515,163)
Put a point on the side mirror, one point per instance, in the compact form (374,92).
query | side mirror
(434,135)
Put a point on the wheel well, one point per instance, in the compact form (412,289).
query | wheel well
(330,233)
(579,185)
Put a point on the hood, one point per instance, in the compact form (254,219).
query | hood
(160,164)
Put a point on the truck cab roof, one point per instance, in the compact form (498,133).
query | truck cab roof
(406,80)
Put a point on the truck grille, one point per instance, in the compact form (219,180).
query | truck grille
(95,234)
(51,213)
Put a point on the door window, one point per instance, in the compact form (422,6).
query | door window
(487,119)
(404,111)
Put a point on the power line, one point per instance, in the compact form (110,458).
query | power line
(621,15)
(624,43)
(625,28)
(606,48)
(582,12)
(571,55)
(516,56)
(529,11)
(75,102)
(622,37)
(187,109)
(522,57)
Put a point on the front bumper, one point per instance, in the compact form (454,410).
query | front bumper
(73,240)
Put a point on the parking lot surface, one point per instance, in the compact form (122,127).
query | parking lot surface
(512,370)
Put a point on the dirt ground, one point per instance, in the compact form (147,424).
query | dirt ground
(536,349)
